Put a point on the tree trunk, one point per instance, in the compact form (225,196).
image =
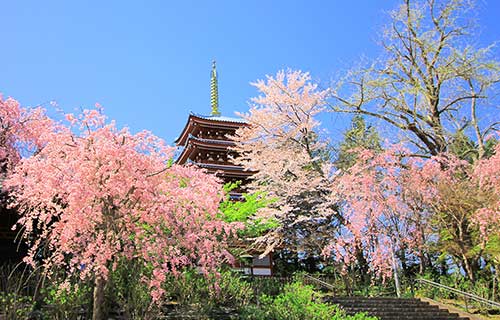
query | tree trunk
(395,273)
(99,310)
(404,265)
(421,266)
(468,268)
(347,284)
(423,258)
(363,265)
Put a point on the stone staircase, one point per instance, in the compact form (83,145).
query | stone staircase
(394,308)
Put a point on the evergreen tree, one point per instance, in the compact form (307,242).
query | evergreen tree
(359,136)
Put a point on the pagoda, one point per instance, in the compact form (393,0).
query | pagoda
(206,143)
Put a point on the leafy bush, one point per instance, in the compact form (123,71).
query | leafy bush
(27,293)
(128,293)
(297,302)
(15,306)
(69,303)
(244,211)
(271,286)
(193,291)
(232,290)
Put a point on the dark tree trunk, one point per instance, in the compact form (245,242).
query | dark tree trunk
(99,308)
(363,265)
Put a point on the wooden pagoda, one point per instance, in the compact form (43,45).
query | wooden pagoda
(205,142)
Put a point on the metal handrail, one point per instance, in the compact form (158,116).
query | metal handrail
(320,282)
(465,294)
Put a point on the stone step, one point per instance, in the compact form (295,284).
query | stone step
(416,317)
(395,313)
(369,309)
(380,301)
(394,308)
(382,305)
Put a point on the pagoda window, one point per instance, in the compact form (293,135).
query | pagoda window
(210,156)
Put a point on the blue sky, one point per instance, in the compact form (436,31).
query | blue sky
(148,62)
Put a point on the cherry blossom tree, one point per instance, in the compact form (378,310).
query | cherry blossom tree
(21,130)
(486,173)
(378,222)
(283,146)
(386,209)
(395,207)
(95,195)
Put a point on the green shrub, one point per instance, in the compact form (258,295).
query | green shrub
(228,289)
(232,290)
(244,211)
(298,301)
(127,293)
(14,306)
(71,303)
(270,286)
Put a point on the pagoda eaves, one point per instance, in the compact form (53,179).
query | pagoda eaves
(219,122)
(206,143)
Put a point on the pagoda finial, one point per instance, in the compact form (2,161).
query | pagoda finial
(214,91)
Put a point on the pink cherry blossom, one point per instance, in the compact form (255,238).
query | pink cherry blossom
(90,199)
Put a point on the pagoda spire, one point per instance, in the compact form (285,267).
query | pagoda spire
(214,91)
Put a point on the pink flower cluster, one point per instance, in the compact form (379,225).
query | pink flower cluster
(91,199)
(22,131)
(388,201)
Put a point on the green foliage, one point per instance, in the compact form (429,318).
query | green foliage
(27,293)
(297,302)
(67,303)
(14,306)
(493,248)
(360,135)
(463,147)
(244,211)
(170,162)
(489,147)
(232,290)
(128,292)
(320,155)
(193,290)
(270,286)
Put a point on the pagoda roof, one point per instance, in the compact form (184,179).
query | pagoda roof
(195,142)
(221,118)
(202,141)
(218,166)
(227,169)
(212,120)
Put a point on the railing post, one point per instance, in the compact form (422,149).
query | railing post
(412,287)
